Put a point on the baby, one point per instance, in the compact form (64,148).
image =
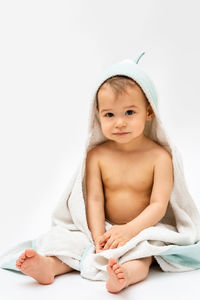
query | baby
(129,179)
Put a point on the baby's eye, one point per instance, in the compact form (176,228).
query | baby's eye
(108,113)
(130,110)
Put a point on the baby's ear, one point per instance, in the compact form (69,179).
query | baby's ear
(150,112)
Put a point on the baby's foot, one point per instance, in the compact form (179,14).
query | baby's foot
(117,279)
(37,266)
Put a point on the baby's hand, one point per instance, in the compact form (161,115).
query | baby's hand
(116,236)
(99,247)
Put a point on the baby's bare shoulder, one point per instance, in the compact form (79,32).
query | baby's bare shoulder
(161,151)
(158,153)
(162,157)
(98,149)
(94,152)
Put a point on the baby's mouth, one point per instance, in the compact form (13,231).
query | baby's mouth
(121,133)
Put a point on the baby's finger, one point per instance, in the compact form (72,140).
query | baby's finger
(121,244)
(103,240)
(102,245)
(106,235)
(98,248)
(108,244)
(114,245)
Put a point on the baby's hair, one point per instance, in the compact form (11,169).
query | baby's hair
(119,84)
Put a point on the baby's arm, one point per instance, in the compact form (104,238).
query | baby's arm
(95,196)
(160,196)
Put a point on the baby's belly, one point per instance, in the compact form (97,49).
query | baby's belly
(123,207)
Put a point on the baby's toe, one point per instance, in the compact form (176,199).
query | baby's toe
(112,261)
(21,259)
(120,275)
(115,267)
(118,270)
(18,264)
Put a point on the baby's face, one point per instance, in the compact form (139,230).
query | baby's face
(128,112)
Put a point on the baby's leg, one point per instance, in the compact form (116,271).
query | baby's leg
(130,272)
(41,268)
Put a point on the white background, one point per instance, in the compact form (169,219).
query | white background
(51,53)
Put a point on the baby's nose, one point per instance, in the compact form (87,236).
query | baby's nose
(120,122)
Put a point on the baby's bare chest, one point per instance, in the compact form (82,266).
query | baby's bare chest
(132,173)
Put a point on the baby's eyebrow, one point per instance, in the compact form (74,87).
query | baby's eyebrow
(124,107)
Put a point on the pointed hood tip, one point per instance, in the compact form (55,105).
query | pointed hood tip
(138,57)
